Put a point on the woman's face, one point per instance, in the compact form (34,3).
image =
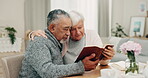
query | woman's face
(77,31)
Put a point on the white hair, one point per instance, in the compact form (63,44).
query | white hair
(75,17)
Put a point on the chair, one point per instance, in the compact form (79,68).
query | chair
(12,65)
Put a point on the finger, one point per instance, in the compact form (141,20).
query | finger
(111,49)
(108,50)
(39,31)
(96,62)
(38,35)
(107,57)
(32,37)
(43,34)
(109,54)
(94,67)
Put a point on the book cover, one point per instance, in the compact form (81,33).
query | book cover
(87,51)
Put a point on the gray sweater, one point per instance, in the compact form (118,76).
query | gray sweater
(43,59)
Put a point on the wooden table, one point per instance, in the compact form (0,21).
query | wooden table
(91,74)
(96,73)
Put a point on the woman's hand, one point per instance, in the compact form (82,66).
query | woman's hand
(37,33)
(108,53)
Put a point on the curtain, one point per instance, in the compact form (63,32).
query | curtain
(103,22)
(88,8)
(35,14)
(96,13)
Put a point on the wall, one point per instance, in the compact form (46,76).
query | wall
(12,14)
(123,10)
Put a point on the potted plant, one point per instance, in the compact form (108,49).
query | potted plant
(118,32)
(11,33)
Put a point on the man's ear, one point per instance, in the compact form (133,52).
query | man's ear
(52,27)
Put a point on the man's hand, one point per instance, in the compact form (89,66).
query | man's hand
(88,64)
(108,53)
(37,33)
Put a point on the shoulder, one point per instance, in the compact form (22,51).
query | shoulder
(39,42)
(37,45)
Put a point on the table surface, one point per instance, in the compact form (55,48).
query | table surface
(91,74)
(120,66)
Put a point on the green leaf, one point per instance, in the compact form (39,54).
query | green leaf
(118,31)
(11,34)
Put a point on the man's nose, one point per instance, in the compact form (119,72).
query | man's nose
(68,33)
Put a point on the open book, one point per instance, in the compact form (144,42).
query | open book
(87,51)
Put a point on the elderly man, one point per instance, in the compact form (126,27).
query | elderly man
(80,38)
(43,57)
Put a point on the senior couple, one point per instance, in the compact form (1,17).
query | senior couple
(52,53)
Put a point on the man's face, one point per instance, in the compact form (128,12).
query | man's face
(61,30)
(77,31)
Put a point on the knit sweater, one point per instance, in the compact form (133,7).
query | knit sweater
(43,59)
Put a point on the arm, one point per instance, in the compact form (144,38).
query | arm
(40,59)
(36,33)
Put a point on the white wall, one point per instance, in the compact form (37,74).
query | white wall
(12,14)
(123,10)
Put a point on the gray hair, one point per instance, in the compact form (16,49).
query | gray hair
(75,17)
(54,15)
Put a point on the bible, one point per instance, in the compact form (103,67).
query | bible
(87,51)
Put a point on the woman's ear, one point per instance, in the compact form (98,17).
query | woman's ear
(52,27)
